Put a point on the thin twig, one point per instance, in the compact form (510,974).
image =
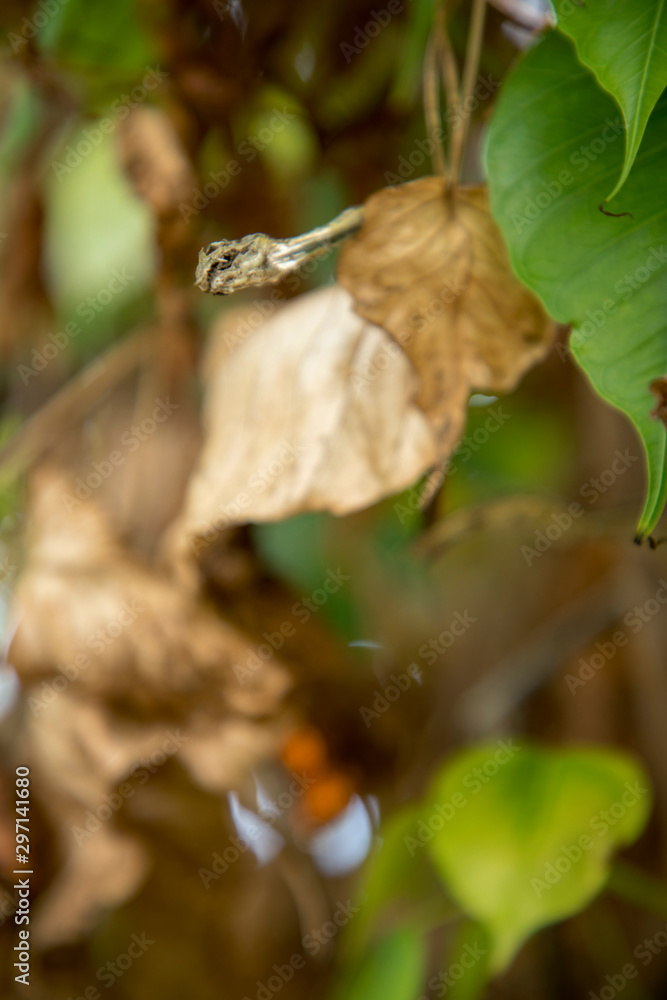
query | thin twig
(74,400)
(448,70)
(460,130)
(431,88)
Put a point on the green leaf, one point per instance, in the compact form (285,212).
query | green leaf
(392,970)
(96,35)
(95,228)
(524,840)
(553,145)
(625,44)
(399,885)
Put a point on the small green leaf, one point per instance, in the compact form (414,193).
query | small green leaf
(391,970)
(554,143)
(625,44)
(399,885)
(524,840)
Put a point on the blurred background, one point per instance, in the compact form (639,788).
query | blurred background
(214,749)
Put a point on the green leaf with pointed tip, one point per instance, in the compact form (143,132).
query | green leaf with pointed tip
(554,144)
(525,840)
(625,44)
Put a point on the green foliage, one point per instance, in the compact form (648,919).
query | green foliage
(90,196)
(92,35)
(392,970)
(554,145)
(398,884)
(522,841)
(625,44)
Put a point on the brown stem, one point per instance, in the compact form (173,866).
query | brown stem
(460,130)
(431,89)
(68,405)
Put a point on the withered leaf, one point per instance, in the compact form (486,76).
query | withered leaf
(118,664)
(310,411)
(117,629)
(437,277)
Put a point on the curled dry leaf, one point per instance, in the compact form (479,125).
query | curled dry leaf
(312,411)
(118,665)
(437,277)
(124,632)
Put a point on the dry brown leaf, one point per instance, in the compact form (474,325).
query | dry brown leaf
(154,159)
(311,411)
(119,666)
(116,629)
(439,281)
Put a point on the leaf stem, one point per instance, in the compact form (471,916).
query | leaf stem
(460,130)
(431,90)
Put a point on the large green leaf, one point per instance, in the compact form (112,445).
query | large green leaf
(554,144)
(625,44)
(523,836)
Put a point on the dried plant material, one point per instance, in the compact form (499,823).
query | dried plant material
(437,277)
(154,159)
(312,411)
(121,672)
(118,630)
(659,389)
(77,752)
(220,754)
(97,876)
